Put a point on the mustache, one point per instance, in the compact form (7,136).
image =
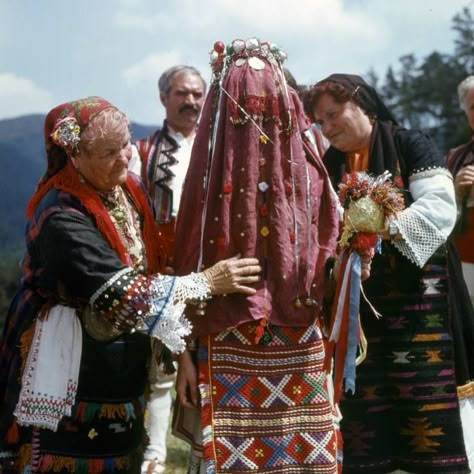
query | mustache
(188,107)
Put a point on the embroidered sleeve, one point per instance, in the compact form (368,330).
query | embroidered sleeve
(78,259)
(153,304)
(427,223)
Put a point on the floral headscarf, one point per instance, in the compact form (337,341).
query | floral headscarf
(63,127)
(62,131)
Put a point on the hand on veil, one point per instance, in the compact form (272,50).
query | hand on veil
(233,276)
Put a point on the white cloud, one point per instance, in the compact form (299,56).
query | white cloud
(138,39)
(19,96)
(149,68)
(136,21)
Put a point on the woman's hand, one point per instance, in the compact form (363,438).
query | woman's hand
(365,266)
(233,275)
(187,382)
(464,181)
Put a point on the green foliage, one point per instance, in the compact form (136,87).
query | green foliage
(423,94)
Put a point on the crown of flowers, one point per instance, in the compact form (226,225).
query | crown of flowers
(240,51)
(66,133)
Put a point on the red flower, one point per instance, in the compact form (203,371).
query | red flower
(264,211)
(364,241)
(227,188)
(288,189)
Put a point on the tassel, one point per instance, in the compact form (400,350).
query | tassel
(130,411)
(96,466)
(81,466)
(111,411)
(122,463)
(45,463)
(24,457)
(61,464)
(109,465)
(13,436)
(81,411)
(91,411)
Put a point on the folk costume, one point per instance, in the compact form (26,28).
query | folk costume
(76,343)
(257,187)
(419,370)
(463,234)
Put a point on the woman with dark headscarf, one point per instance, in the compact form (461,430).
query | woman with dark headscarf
(418,376)
(256,186)
(75,348)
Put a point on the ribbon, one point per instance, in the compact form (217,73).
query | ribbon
(345,331)
(353,323)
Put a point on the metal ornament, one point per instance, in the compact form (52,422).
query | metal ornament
(256,63)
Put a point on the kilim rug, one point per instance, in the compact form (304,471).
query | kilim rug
(266,408)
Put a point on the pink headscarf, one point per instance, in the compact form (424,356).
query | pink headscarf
(256,187)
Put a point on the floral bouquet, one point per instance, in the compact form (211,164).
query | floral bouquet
(368,202)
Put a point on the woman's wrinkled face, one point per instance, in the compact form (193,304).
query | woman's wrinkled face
(104,164)
(345,124)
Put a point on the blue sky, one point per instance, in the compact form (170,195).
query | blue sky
(52,51)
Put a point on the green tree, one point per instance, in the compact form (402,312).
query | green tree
(423,94)
(463,24)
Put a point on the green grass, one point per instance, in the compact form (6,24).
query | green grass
(177,457)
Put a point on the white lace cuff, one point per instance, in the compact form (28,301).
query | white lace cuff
(420,237)
(155,304)
(166,320)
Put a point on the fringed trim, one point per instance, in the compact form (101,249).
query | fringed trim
(26,339)
(50,463)
(466,391)
(24,457)
(88,411)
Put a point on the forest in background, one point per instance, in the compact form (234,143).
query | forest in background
(421,92)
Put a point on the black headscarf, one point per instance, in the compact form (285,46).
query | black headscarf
(363,95)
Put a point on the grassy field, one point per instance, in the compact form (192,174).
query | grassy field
(177,458)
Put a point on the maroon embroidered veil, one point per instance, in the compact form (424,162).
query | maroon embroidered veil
(256,187)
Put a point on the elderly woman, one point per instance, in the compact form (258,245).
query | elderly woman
(74,353)
(461,163)
(405,413)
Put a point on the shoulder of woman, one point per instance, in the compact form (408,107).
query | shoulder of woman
(413,137)
(419,150)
